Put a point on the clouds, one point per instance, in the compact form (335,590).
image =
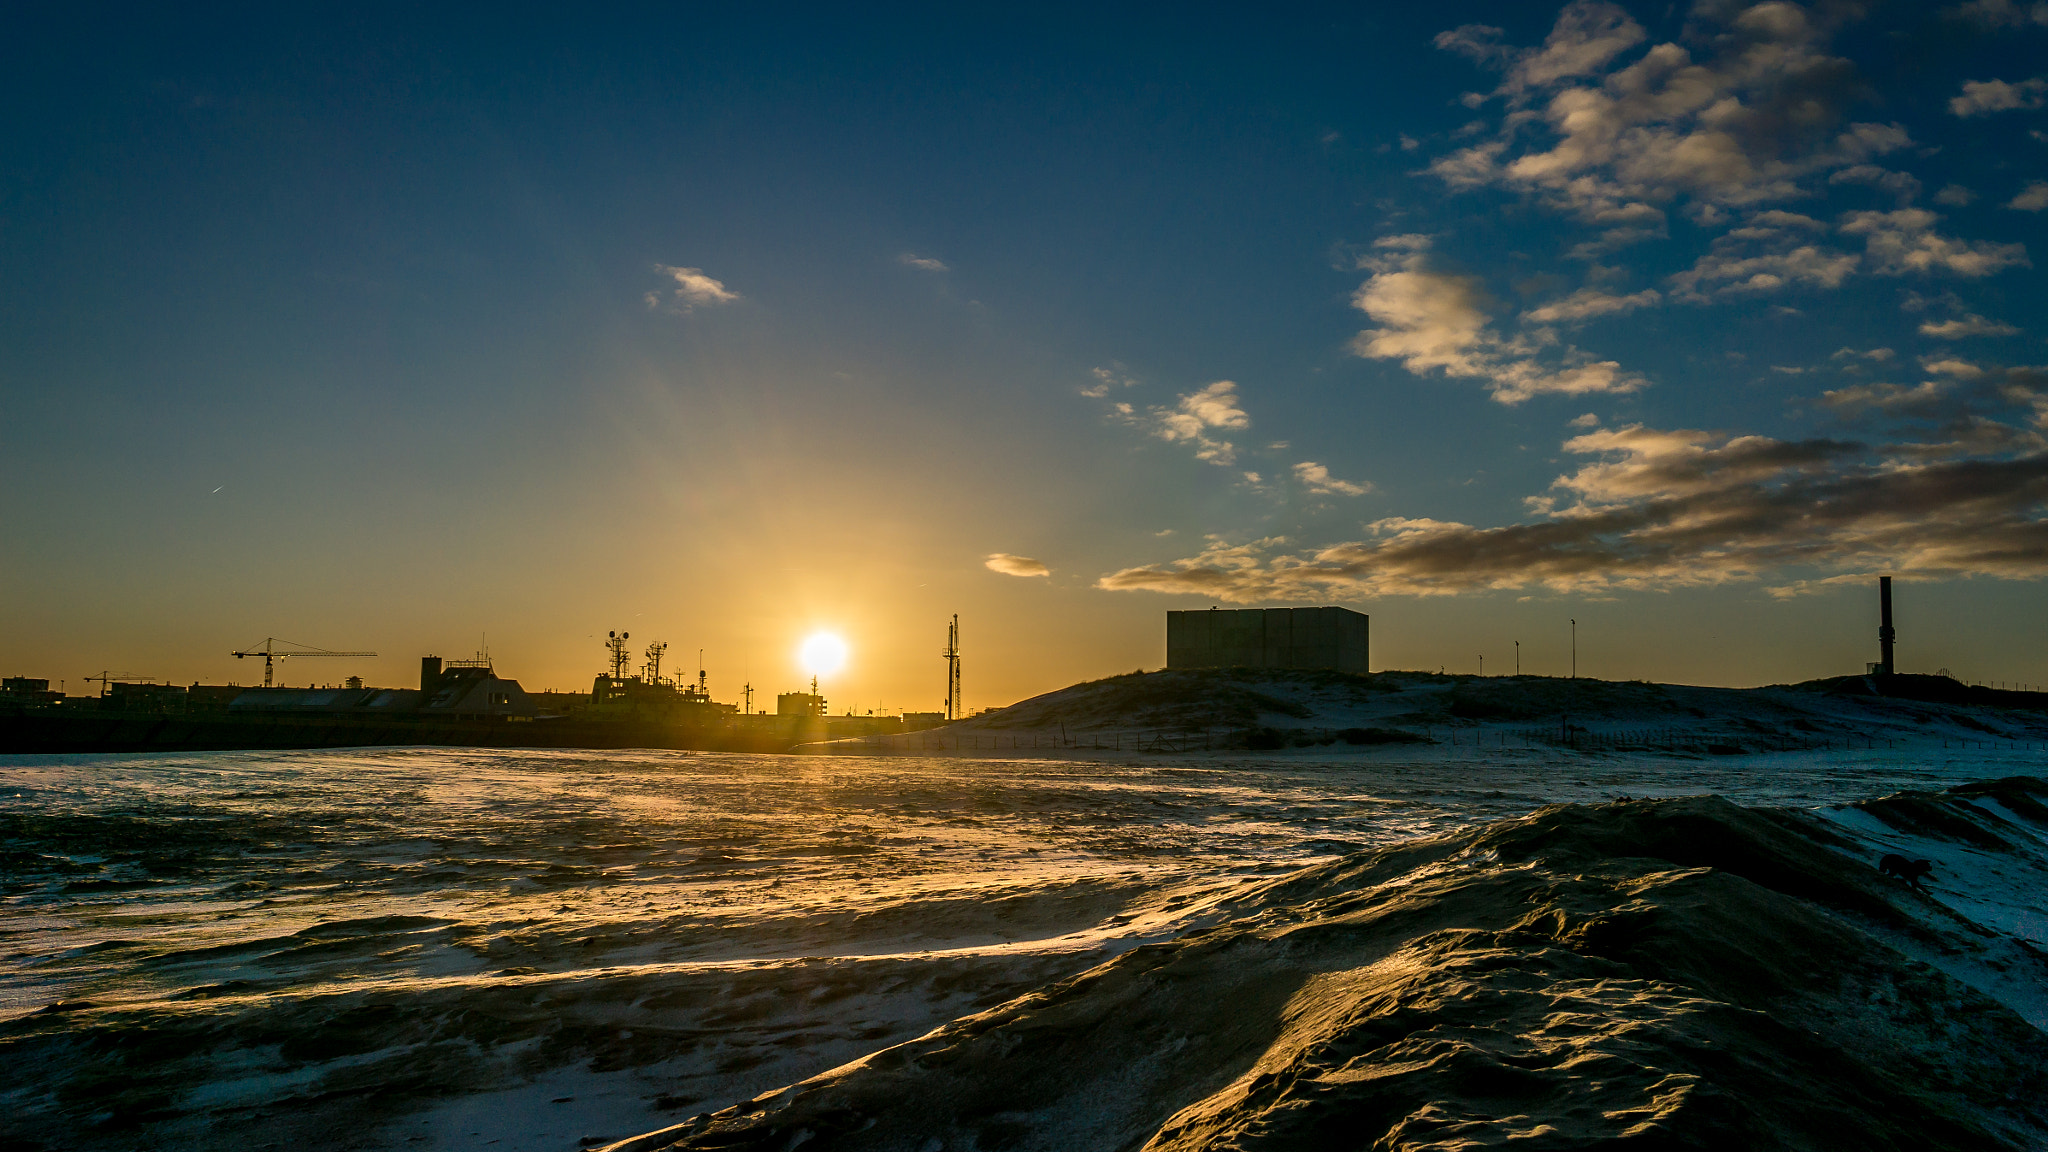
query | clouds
(1012,565)
(1962,410)
(1896,243)
(1968,324)
(1777,250)
(1197,418)
(1199,413)
(1724,271)
(1437,321)
(1982,97)
(1587,303)
(1734,148)
(1315,479)
(2001,13)
(1666,509)
(1616,147)
(692,289)
(1585,38)
(1202,419)
(922,263)
(1605,126)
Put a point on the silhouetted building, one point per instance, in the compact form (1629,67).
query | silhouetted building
(211,697)
(28,690)
(462,689)
(1332,638)
(799,704)
(122,696)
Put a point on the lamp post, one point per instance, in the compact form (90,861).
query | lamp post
(1575,649)
(1518,658)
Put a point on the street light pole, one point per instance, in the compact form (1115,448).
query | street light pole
(1518,658)
(1575,649)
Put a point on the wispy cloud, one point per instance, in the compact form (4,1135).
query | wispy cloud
(1731,268)
(1981,97)
(692,289)
(1903,185)
(1588,303)
(1432,320)
(1968,324)
(1200,413)
(1013,565)
(2001,13)
(1316,480)
(1200,418)
(1105,380)
(1896,243)
(923,263)
(2033,198)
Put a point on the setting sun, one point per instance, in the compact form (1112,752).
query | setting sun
(822,654)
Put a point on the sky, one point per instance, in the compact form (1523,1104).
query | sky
(1657,330)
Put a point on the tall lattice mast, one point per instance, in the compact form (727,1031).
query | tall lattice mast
(954,706)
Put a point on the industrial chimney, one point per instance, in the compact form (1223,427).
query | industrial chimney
(430,666)
(1886,634)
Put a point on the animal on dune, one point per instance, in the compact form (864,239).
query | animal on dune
(1911,871)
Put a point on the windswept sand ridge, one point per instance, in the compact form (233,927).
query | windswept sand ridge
(1662,974)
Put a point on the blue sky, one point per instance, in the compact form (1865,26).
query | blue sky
(378,329)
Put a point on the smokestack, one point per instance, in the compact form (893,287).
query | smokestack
(430,666)
(1886,634)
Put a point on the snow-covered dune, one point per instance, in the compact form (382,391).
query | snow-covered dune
(437,949)
(1184,711)
(1681,973)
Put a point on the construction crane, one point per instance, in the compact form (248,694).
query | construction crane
(109,679)
(270,652)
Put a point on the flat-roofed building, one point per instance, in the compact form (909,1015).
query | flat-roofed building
(1332,638)
(799,704)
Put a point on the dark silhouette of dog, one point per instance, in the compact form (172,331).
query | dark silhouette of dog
(1911,871)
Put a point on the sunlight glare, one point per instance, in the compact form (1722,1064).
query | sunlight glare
(822,654)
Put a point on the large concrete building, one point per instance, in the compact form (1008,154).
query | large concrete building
(1335,638)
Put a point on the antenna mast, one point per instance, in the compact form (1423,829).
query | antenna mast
(617,644)
(654,653)
(952,655)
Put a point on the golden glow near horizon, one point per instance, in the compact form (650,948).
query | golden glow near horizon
(822,654)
